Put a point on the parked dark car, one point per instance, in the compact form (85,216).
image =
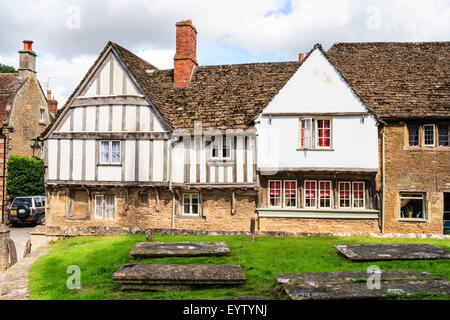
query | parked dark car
(27,210)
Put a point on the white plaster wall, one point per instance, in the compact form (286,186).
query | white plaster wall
(77,159)
(315,87)
(117,118)
(109,173)
(355,144)
(90,119)
(158,160)
(129,162)
(103,114)
(90,160)
(64,157)
(52,158)
(144,164)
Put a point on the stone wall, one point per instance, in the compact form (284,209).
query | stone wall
(131,212)
(322,226)
(4,253)
(24,120)
(423,169)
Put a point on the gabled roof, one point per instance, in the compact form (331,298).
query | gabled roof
(397,80)
(222,96)
(10,83)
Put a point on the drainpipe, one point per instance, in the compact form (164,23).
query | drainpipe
(383,183)
(4,177)
(173,141)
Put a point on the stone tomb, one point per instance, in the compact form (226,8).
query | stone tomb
(359,285)
(158,276)
(375,252)
(179,249)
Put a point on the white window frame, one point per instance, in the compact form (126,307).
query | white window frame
(315,193)
(220,147)
(190,214)
(313,137)
(350,202)
(319,197)
(317,146)
(363,197)
(281,194)
(434,135)
(95,206)
(110,142)
(108,216)
(404,195)
(284,193)
(41,115)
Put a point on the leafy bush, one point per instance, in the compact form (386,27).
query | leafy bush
(25,177)
(7,69)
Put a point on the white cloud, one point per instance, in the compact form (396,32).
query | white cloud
(241,30)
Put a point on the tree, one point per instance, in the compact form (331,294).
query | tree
(25,177)
(7,69)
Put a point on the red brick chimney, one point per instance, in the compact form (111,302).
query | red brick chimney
(186,53)
(52,104)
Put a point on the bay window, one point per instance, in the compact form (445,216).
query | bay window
(324,194)
(275,193)
(344,195)
(290,193)
(310,194)
(358,195)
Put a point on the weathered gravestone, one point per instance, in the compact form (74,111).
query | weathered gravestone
(179,249)
(359,285)
(375,252)
(155,276)
(4,252)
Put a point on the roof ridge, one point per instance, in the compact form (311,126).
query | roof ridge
(119,47)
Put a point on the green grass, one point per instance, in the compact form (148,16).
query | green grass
(99,257)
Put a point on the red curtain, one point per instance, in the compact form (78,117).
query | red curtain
(324,133)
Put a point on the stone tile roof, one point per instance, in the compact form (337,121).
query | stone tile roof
(9,84)
(397,80)
(222,96)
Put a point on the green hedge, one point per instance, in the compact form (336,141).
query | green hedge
(25,177)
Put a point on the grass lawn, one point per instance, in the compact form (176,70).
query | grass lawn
(99,257)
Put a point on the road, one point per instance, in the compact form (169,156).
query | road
(20,236)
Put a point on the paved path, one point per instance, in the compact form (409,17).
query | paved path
(14,281)
(20,235)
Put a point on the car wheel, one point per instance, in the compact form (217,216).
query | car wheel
(41,219)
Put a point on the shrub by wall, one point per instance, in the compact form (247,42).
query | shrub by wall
(25,177)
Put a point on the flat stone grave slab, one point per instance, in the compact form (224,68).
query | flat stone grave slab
(179,249)
(375,252)
(155,276)
(354,285)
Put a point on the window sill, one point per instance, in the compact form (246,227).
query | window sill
(225,161)
(426,148)
(412,220)
(190,217)
(315,149)
(42,123)
(273,212)
(109,164)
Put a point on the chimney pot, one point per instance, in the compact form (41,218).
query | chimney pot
(300,57)
(28,45)
(49,94)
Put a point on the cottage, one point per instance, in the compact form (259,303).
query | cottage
(296,145)
(24,110)
(406,85)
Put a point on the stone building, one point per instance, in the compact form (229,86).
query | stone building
(406,85)
(297,145)
(24,112)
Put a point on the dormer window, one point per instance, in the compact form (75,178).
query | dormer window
(315,133)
